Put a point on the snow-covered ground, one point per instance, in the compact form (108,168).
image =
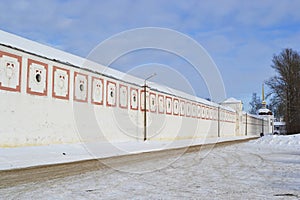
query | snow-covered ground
(280,141)
(266,168)
(22,157)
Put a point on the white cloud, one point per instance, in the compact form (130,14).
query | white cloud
(240,35)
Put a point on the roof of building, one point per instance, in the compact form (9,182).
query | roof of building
(264,111)
(232,100)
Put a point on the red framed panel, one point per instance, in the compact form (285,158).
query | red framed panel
(188,109)
(194,110)
(60,83)
(37,78)
(233,117)
(209,114)
(182,108)
(161,104)
(228,118)
(123,96)
(111,93)
(10,72)
(169,105)
(222,115)
(134,100)
(153,102)
(203,111)
(215,114)
(212,113)
(176,106)
(80,87)
(97,91)
(199,111)
(142,100)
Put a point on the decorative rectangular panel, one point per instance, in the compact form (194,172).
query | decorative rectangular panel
(10,71)
(123,96)
(97,91)
(37,78)
(206,112)
(161,104)
(215,114)
(169,105)
(194,110)
(153,102)
(143,101)
(203,112)
(111,94)
(188,109)
(209,113)
(60,83)
(222,115)
(226,116)
(176,107)
(80,87)
(199,111)
(134,99)
(182,108)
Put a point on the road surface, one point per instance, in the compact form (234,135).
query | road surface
(234,171)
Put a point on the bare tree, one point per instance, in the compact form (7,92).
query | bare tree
(285,87)
(255,104)
(276,106)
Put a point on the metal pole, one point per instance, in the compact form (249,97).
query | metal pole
(145,112)
(218,121)
(262,125)
(145,105)
(246,125)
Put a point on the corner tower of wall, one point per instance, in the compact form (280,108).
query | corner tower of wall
(237,105)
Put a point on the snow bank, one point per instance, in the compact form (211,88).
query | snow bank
(279,141)
(23,157)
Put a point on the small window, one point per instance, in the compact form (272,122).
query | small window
(38,78)
(81,87)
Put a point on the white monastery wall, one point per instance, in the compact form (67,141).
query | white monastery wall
(51,100)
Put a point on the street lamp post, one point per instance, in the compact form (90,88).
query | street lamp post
(145,105)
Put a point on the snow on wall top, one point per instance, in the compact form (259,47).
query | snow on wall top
(232,100)
(39,49)
(64,57)
(279,123)
(264,110)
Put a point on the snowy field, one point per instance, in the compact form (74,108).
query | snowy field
(266,168)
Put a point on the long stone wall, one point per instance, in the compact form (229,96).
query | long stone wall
(46,101)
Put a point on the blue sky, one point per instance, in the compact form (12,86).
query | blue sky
(240,36)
